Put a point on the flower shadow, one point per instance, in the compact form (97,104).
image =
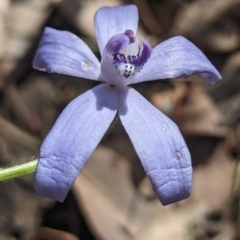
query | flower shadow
(107,97)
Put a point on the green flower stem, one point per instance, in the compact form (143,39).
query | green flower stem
(18,171)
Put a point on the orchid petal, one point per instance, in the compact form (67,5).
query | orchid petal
(177,58)
(63,52)
(72,140)
(159,145)
(110,21)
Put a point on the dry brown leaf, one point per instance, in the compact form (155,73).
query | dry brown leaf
(18,17)
(39,95)
(51,234)
(214,31)
(190,18)
(200,116)
(82,15)
(211,193)
(23,23)
(222,36)
(4,5)
(171,224)
(112,206)
(167,101)
(148,18)
(15,143)
(21,111)
(230,84)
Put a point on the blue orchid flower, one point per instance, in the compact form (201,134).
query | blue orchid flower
(80,127)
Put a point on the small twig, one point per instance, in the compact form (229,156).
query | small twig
(20,108)
(148,17)
(234,177)
(234,191)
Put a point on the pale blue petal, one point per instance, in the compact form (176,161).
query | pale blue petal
(64,53)
(159,145)
(110,21)
(177,58)
(73,138)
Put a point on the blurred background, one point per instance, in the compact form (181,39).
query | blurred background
(112,199)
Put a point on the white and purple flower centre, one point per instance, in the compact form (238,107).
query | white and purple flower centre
(122,58)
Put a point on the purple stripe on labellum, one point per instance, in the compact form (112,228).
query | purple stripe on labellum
(130,60)
(128,65)
(144,55)
(126,57)
(115,44)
